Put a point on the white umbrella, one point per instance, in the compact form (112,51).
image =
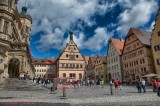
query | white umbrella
(151,75)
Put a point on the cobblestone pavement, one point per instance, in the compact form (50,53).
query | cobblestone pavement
(85,96)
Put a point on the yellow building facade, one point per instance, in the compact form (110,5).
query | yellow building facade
(100,68)
(155,43)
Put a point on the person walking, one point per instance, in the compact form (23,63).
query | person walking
(143,85)
(116,84)
(139,85)
(155,85)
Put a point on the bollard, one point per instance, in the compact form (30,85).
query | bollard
(64,92)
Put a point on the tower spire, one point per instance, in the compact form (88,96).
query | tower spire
(71,35)
(25,3)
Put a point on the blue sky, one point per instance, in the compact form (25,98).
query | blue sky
(93,22)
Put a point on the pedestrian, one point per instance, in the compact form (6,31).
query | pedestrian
(116,84)
(46,82)
(111,84)
(78,83)
(143,85)
(139,85)
(90,83)
(119,84)
(102,83)
(155,85)
(98,82)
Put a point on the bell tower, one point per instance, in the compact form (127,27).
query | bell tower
(26,21)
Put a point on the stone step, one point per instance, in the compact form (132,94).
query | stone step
(13,84)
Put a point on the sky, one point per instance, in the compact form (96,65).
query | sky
(93,22)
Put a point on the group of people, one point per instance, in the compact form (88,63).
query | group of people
(44,82)
(24,76)
(117,83)
(141,84)
(88,82)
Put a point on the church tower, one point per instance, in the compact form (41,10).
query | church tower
(26,21)
(70,63)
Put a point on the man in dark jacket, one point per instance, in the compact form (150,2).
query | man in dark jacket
(139,86)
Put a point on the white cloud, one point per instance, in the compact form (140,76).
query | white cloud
(136,15)
(99,39)
(55,17)
(152,26)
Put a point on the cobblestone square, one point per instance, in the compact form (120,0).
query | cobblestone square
(84,96)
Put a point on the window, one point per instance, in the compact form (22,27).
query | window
(77,66)
(64,74)
(101,76)
(6,26)
(158,33)
(66,65)
(66,55)
(10,3)
(76,56)
(62,65)
(68,48)
(81,66)
(80,76)
(143,61)
(72,75)
(158,61)
(73,65)
(70,65)
(27,30)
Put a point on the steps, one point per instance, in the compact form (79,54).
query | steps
(14,84)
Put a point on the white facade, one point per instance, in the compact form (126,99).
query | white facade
(113,63)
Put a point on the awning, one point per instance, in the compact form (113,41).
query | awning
(151,75)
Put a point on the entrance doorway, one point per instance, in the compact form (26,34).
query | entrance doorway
(13,69)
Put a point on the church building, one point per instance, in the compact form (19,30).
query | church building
(70,63)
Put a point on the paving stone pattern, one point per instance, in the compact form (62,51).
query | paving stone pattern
(82,96)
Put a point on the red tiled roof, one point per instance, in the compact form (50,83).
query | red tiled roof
(142,35)
(47,61)
(118,44)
